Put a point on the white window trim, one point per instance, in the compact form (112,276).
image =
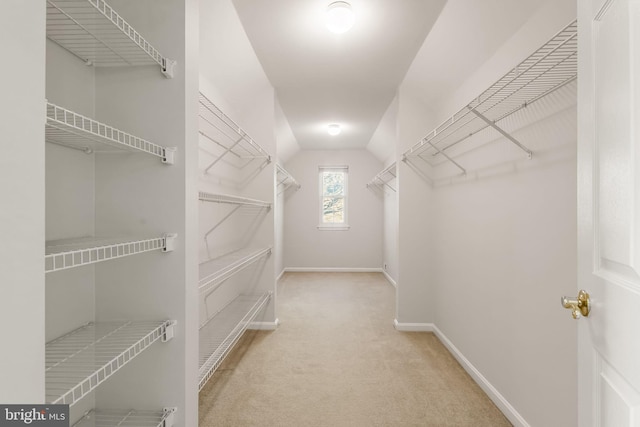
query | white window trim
(333,227)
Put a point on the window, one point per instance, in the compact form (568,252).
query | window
(333,197)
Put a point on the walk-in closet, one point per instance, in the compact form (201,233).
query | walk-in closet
(240,212)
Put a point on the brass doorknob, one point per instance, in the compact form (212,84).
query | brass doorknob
(579,306)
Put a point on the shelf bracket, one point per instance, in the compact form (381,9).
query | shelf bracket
(169,416)
(169,242)
(502,132)
(168,332)
(167,67)
(464,171)
(235,208)
(226,151)
(169,155)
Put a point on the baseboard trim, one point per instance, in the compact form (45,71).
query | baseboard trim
(264,326)
(284,270)
(413,327)
(390,279)
(509,411)
(332,270)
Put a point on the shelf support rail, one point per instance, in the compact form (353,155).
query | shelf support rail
(221,156)
(464,171)
(497,128)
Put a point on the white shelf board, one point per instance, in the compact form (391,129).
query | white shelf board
(78,362)
(222,331)
(215,271)
(126,418)
(95,33)
(549,68)
(64,127)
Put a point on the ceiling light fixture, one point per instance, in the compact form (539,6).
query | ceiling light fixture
(334,129)
(339,18)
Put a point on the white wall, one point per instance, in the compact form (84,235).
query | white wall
(22,190)
(414,295)
(233,79)
(70,195)
(383,145)
(502,242)
(286,147)
(138,195)
(306,247)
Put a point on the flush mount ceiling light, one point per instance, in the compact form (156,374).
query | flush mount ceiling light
(334,129)
(339,18)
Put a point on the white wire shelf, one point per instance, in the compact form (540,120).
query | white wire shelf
(285,180)
(549,68)
(384,178)
(81,360)
(214,272)
(222,332)
(95,33)
(64,127)
(233,200)
(70,253)
(127,418)
(232,144)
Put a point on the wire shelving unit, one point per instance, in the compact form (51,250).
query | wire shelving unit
(222,331)
(70,253)
(81,360)
(231,144)
(384,178)
(127,418)
(548,69)
(64,127)
(214,272)
(285,180)
(95,33)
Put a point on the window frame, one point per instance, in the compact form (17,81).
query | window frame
(341,226)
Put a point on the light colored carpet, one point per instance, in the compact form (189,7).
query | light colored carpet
(336,360)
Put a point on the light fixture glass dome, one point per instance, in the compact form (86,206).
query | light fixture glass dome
(339,18)
(334,129)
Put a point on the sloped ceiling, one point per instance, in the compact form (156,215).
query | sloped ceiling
(323,78)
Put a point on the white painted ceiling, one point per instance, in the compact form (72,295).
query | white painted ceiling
(428,46)
(323,78)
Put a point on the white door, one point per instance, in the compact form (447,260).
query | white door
(609,211)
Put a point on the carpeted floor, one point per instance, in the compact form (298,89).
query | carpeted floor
(336,360)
